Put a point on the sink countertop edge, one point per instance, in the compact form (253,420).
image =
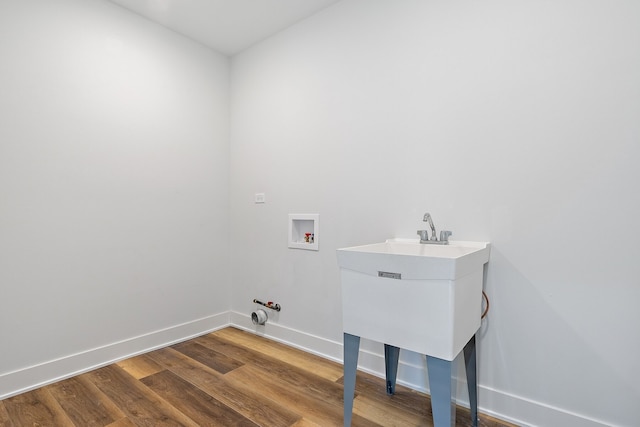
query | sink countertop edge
(445,269)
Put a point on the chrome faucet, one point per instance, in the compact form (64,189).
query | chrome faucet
(424,234)
(427,218)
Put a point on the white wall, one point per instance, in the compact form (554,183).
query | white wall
(113,187)
(512,122)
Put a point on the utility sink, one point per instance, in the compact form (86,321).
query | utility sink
(420,297)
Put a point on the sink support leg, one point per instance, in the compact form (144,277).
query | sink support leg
(442,383)
(351,349)
(472,379)
(391,356)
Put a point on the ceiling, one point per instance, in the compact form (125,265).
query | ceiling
(227,26)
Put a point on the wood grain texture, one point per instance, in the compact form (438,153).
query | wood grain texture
(29,409)
(141,406)
(249,401)
(305,423)
(140,366)
(315,409)
(124,422)
(193,402)
(226,378)
(321,367)
(84,403)
(267,369)
(5,421)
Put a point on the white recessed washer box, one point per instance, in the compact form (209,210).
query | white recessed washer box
(303,231)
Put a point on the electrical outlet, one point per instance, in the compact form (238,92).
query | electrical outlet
(259,198)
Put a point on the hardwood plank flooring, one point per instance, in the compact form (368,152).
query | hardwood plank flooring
(84,403)
(247,400)
(226,378)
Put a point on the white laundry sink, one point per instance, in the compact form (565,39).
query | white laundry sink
(420,297)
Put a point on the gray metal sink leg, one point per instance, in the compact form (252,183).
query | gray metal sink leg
(391,356)
(442,383)
(351,349)
(472,379)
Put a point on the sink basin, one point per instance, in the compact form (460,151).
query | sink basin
(420,297)
(413,260)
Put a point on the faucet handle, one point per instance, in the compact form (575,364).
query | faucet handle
(444,235)
(424,235)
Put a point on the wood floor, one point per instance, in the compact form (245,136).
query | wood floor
(226,378)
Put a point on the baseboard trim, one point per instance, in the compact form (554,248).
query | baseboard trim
(32,377)
(313,344)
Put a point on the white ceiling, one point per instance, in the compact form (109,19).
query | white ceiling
(227,26)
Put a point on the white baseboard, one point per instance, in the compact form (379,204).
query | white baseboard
(310,343)
(411,370)
(36,376)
